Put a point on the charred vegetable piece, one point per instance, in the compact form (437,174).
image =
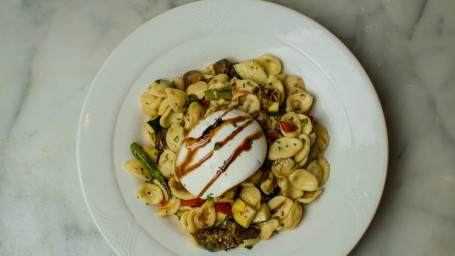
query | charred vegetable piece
(243,213)
(314,151)
(216,95)
(263,214)
(160,139)
(141,155)
(223,208)
(224,237)
(192,77)
(192,98)
(220,218)
(287,126)
(273,135)
(154,123)
(223,66)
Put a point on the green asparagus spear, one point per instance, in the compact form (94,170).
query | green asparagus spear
(141,155)
(216,95)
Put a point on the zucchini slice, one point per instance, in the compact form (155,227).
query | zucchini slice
(243,213)
(154,124)
(251,70)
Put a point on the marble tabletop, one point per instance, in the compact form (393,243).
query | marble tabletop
(51,50)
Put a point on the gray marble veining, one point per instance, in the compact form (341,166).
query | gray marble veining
(51,50)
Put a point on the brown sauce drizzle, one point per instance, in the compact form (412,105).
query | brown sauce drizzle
(244,147)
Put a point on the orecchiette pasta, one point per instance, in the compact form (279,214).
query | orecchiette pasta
(271,199)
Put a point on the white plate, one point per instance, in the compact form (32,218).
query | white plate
(189,37)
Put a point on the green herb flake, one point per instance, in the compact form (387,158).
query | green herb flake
(235,125)
(269,84)
(282,224)
(282,213)
(142,170)
(179,119)
(209,197)
(167,156)
(217,146)
(267,60)
(270,190)
(207,246)
(259,162)
(146,203)
(250,142)
(305,121)
(249,247)
(176,139)
(292,118)
(276,217)
(294,144)
(279,148)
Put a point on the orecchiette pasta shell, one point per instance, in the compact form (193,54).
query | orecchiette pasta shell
(194,114)
(149,104)
(291,117)
(258,176)
(220,82)
(178,190)
(164,191)
(266,186)
(197,89)
(271,64)
(170,208)
(157,88)
(322,138)
(303,180)
(151,193)
(273,83)
(320,168)
(190,224)
(173,117)
(164,108)
(209,70)
(284,147)
(206,215)
(312,137)
(294,216)
(281,77)
(167,163)
(299,102)
(291,82)
(246,85)
(152,153)
(174,137)
(184,218)
(280,205)
(309,197)
(303,153)
(151,139)
(178,83)
(252,104)
(267,228)
(283,167)
(307,126)
(136,167)
(177,99)
(252,196)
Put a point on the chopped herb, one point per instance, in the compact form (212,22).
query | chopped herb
(137,196)
(279,148)
(224,88)
(249,247)
(176,139)
(235,125)
(270,190)
(146,103)
(210,197)
(267,60)
(276,232)
(287,146)
(155,153)
(282,213)
(249,83)
(146,203)
(167,156)
(269,84)
(292,118)
(142,170)
(158,81)
(243,85)
(238,155)
(207,246)
(276,217)
(179,119)
(297,108)
(259,162)
(282,224)
(305,121)
(294,144)
(301,95)
(217,146)
(251,67)
(279,142)
(251,142)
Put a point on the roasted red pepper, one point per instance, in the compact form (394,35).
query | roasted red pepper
(224,208)
(273,184)
(193,202)
(273,135)
(204,102)
(163,202)
(311,117)
(288,127)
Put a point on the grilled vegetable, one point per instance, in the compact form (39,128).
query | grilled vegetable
(263,214)
(141,155)
(243,213)
(216,95)
(154,123)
